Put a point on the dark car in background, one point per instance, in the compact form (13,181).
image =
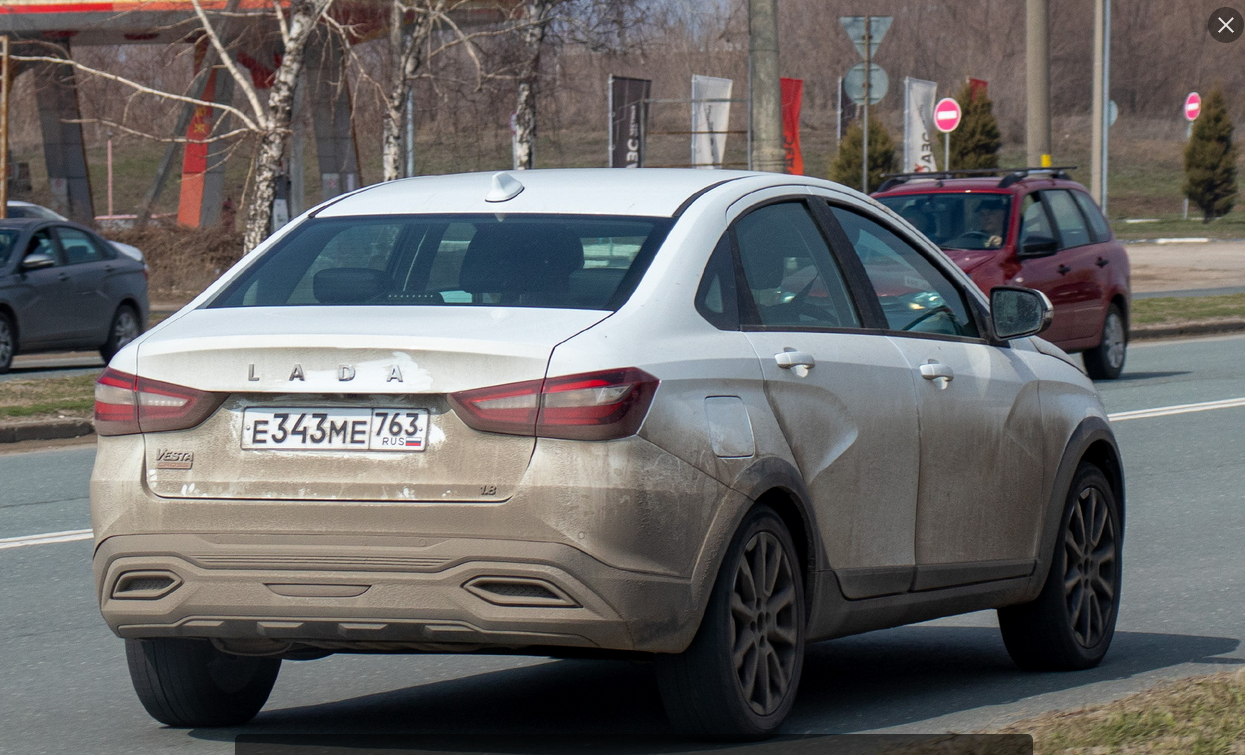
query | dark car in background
(63,288)
(1033,228)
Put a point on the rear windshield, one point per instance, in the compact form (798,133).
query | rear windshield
(555,261)
(956,221)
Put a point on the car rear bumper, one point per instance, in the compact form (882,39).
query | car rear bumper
(392,594)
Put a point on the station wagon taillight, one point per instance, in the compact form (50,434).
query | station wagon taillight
(591,406)
(126,404)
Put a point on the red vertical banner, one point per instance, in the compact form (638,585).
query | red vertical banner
(977,88)
(792,95)
(194,155)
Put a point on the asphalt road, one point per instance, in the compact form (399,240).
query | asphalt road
(64,686)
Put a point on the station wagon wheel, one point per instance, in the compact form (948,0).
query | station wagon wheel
(125,328)
(1106,360)
(1071,623)
(738,678)
(1089,552)
(8,343)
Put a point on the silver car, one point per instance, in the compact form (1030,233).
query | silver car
(702,417)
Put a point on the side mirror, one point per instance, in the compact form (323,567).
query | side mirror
(1039,246)
(38,260)
(1019,312)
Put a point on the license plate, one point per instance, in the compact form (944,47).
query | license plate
(338,429)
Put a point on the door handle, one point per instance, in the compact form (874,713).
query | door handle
(63,277)
(789,359)
(1064,269)
(934,370)
(1102,262)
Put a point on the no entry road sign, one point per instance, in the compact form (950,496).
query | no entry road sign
(947,115)
(1192,106)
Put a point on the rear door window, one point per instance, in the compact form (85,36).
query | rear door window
(1097,223)
(79,248)
(789,271)
(1073,231)
(557,261)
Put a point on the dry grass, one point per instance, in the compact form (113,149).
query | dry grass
(1198,716)
(183,261)
(48,397)
(1173,310)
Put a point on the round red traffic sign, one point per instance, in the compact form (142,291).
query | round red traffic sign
(947,115)
(1192,106)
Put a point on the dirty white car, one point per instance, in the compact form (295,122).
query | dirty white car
(701,416)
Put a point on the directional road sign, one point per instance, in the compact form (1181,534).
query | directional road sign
(854,84)
(947,115)
(1192,106)
(855,28)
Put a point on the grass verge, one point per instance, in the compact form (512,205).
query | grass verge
(48,397)
(1172,310)
(1198,716)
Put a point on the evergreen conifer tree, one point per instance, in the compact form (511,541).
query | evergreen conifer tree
(975,144)
(845,168)
(1210,160)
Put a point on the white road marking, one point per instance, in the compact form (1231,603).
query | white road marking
(67,536)
(1164,411)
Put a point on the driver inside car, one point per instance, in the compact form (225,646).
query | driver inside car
(991,219)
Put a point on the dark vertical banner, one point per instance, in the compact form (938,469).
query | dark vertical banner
(977,88)
(628,121)
(792,95)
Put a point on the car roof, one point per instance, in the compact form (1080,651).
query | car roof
(983,185)
(650,192)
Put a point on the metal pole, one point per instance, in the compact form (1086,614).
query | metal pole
(864,135)
(409,136)
(110,176)
(1188,136)
(4,126)
(609,121)
(1037,64)
(764,87)
(1101,116)
(946,151)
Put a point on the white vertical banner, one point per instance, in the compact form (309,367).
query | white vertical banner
(918,125)
(711,115)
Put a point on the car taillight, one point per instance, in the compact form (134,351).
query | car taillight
(592,406)
(125,404)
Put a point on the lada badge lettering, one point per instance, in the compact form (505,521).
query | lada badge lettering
(168,459)
(394,374)
(251,376)
(345,373)
(297,374)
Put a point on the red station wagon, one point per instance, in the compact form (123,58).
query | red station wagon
(1034,228)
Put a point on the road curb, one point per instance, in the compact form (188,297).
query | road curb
(1192,328)
(45,429)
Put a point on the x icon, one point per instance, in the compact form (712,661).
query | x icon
(1227,25)
(1221,30)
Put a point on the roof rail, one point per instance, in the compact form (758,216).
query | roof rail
(1021,174)
(1012,175)
(895,179)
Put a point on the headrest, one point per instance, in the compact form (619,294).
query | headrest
(349,285)
(520,258)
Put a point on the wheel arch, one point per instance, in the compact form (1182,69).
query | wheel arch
(1091,441)
(7,310)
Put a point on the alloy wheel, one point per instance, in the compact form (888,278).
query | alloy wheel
(6,342)
(125,329)
(1113,340)
(764,623)
(1090,572)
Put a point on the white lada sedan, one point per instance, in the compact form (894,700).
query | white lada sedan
(702,417)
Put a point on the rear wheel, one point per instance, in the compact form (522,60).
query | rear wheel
(1070,624)
(738,678)
(125,328)
(8,343)
(189,683)
(1106,360)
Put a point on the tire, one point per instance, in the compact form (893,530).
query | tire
(8,343)
(189,683)
(126,326)
(1106,360)
(1070,625)
(704,689)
